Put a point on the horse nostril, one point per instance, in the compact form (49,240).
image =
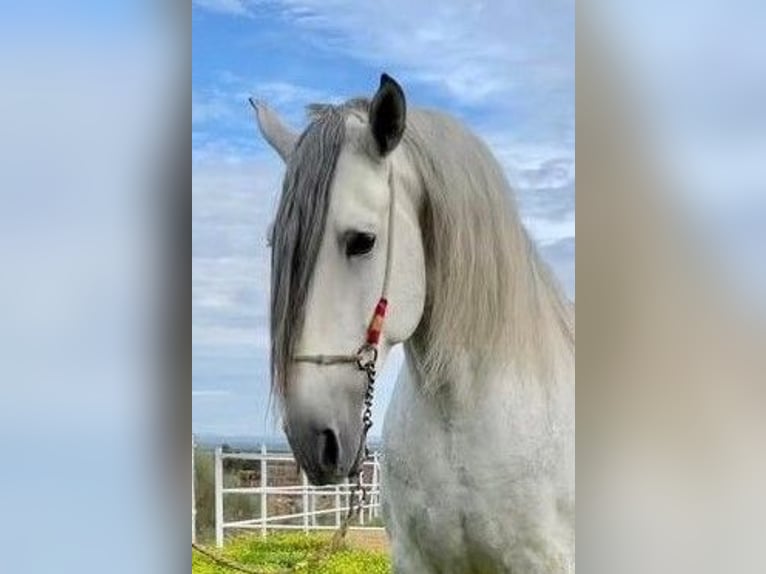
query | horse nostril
(329,450)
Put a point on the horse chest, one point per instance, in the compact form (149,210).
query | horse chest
(436,508)
(454,507)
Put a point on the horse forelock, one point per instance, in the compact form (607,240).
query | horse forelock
(298,229)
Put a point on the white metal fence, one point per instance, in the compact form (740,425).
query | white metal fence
(287,506)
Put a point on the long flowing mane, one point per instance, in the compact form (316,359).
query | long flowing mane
(490,299)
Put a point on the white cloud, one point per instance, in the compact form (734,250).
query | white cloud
(287,94)
(226,104)
(233,205)
(561,258)
(235,7)
(543,180)
(476,51)
(229,282)
(548,231)
(211,106)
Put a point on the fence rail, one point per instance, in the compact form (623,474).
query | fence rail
(287,496)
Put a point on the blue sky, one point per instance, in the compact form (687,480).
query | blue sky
(505,68)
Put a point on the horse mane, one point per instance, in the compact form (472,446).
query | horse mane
(489,295)
(296,234)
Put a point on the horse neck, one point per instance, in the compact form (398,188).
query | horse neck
(551,331)
(530,322)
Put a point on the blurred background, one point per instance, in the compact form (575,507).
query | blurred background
(92,95)
(671,221)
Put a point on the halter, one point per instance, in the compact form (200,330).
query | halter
(365,358)
(368,352)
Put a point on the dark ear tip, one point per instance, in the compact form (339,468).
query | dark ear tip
(388,81)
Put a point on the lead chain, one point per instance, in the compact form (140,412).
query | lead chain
(359,496)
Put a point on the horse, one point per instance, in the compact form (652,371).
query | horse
(396,225)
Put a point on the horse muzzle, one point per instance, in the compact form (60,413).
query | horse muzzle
(326,455)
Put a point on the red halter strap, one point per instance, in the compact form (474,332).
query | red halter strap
(376,324)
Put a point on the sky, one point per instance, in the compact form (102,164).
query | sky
(506,69)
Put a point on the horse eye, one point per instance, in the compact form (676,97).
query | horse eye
(359,243)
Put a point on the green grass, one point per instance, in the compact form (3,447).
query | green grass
(300,551)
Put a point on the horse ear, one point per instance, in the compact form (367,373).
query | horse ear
(274,130)
(388,115)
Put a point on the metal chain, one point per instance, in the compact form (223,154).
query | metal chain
(359,493)
(369,393)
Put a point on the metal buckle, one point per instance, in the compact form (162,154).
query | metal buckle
(366,356)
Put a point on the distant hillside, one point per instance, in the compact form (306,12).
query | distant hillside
(242,442)
(248,443)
